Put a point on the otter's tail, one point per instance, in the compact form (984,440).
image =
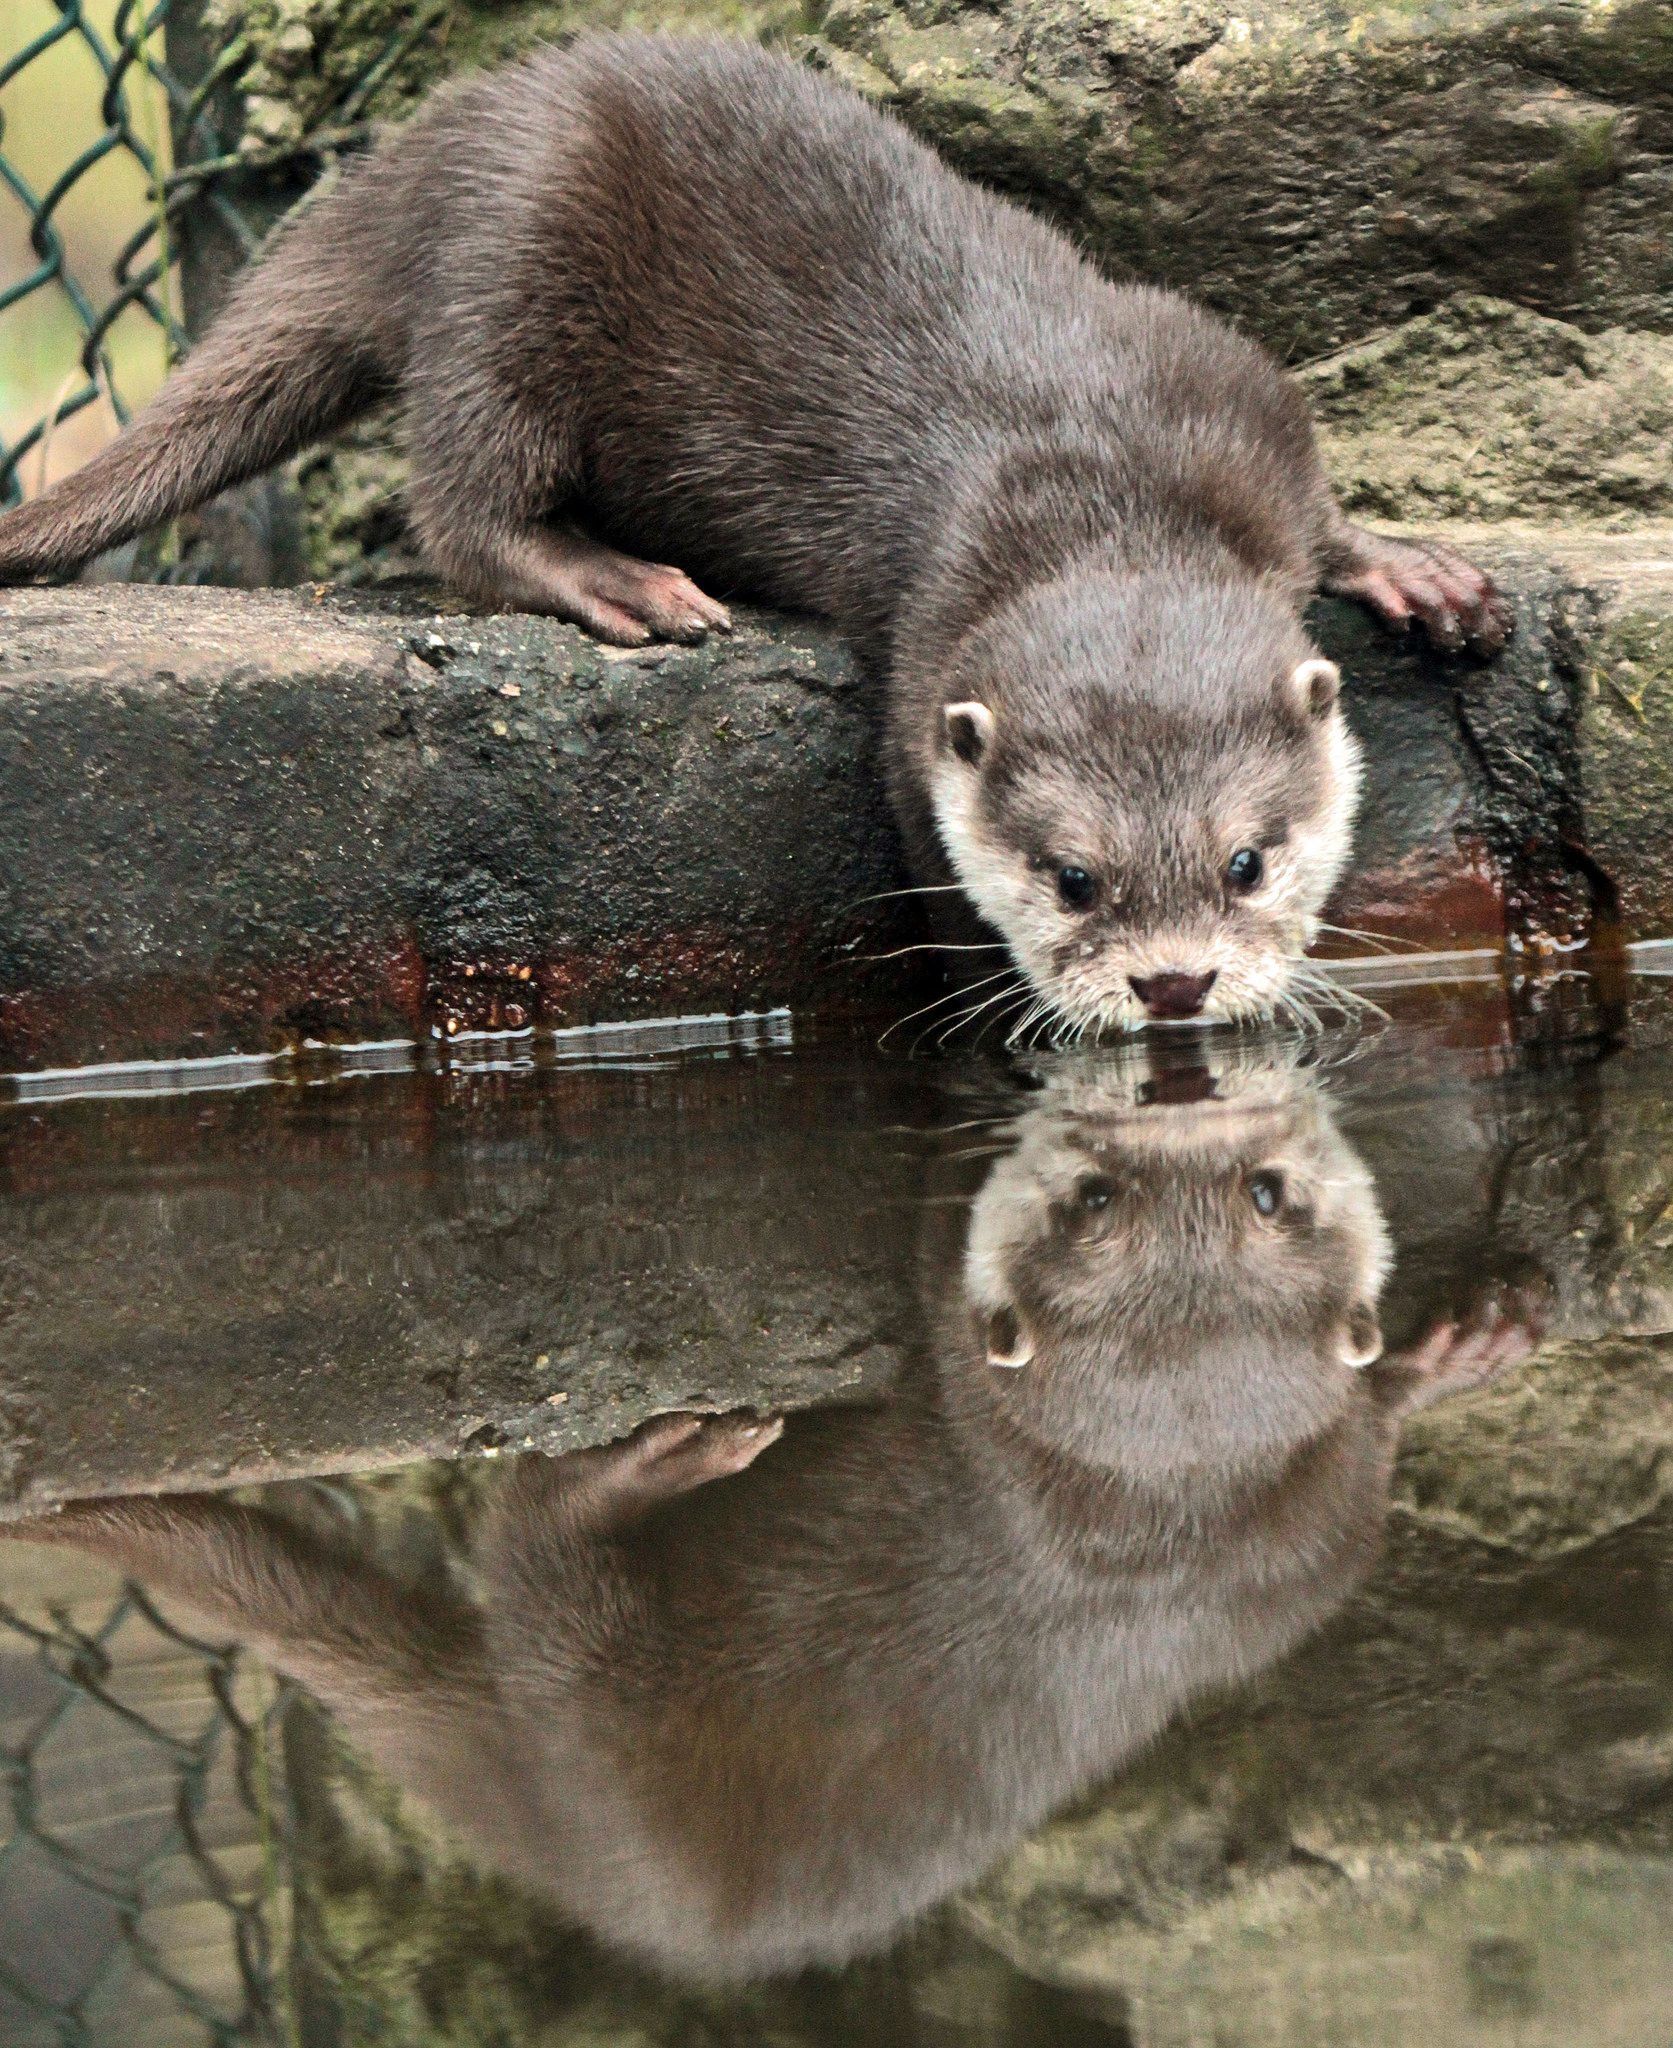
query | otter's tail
(323,1615)
(297,352)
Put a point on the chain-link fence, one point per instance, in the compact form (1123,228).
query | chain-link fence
(144,1841)
(129,194)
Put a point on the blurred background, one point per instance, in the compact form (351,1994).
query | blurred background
(93,98)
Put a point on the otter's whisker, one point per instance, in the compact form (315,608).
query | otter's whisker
(964,1017)
(890,895)
(1336,995)
(1014,1036)
(1388,941)
(946,1026)
(1021,995)
(952,996)
(932,946)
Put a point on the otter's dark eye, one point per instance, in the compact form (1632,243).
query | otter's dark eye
(1244,869)
(1077,889)
(1266,1191)
(1095,1191)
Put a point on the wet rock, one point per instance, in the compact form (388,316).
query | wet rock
(1445,1815)
(1624,626)
(233,820)
(434,1263)
(1567,735)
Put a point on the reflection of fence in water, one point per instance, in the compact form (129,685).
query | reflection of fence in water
(143,1839)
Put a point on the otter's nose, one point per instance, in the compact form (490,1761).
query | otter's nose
(1172,995)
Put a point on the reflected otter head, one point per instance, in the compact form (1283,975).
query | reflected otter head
(1176,1266)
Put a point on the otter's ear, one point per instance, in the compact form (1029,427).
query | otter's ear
(1359,1342)
(1314,686)
(969,729)
(1009,1342)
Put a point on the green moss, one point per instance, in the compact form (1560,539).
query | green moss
(311,61)
(487,32)
(1626,770)
(1564,1454)
(354,522)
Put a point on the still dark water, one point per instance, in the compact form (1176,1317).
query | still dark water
(1170,1546)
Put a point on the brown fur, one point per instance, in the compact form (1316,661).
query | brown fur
(681,299)
(740,1712)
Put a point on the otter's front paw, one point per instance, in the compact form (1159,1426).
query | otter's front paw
(1426,583)
(673,1453)
(1470,1350)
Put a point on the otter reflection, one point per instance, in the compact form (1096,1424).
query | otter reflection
(740,1704)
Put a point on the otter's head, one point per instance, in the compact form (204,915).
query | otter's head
(1189,1275)
(1146,785)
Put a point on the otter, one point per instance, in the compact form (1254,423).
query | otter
(683,299)
(741,1694)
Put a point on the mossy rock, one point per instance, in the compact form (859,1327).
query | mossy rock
(354,515)
(1571,1449)
(1486,411)
(315,65)
(1317,174)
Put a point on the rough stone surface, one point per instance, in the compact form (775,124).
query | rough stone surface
(237,819)
(334,1272)
(312,64)
(230,821)
(1318,174)
(1626,741)
(1485,411)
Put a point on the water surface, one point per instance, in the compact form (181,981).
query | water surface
(1167,1546)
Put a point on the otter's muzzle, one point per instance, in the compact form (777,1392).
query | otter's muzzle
(1170,997)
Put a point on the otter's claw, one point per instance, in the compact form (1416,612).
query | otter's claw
(1424,583)
(1472,1350)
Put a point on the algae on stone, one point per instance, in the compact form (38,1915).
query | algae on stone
(1316,174)
(313,64)
(1487,411)
(354,515)
(1568,1451)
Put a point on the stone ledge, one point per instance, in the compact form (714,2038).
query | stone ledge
(236,820)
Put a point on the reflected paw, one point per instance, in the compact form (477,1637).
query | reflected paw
(673,1453)
(1473,1350)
